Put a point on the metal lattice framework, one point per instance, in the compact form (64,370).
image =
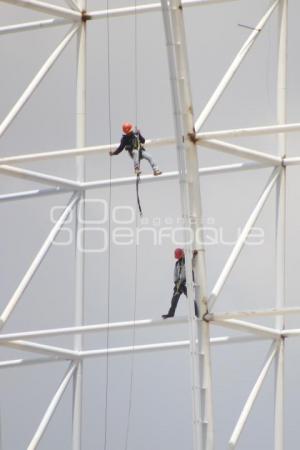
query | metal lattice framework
(188,136)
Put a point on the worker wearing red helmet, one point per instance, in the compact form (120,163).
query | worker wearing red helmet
(179,283)
(131,141)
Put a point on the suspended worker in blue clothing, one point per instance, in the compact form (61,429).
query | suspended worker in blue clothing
(179,283)
(132,141)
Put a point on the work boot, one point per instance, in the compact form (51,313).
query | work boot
(137,171)
(157,172)
(166,316)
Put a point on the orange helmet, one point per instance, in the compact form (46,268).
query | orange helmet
(127,127)
(178,253)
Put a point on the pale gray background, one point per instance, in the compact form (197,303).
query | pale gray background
(161,403)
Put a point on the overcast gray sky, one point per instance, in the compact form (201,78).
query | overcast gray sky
(161,398)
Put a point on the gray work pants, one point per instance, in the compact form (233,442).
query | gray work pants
(142,154)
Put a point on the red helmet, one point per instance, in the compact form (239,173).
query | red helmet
(178,253)
(127,127)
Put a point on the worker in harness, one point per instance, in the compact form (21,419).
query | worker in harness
(131,141)
(179,283)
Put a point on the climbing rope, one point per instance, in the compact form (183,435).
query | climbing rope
(138,179)
(109,236)
(109,231)
(133,343)
(136,245)
(137,195)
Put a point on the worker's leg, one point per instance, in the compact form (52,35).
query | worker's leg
(196,309)
(136,160)
(184,291)
(174,303)
(148,157)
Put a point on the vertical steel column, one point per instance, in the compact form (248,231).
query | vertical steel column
(192,214)
(281,224)
(79,228)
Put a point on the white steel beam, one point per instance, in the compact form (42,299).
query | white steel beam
(291,333)
(252,313)
(165,346)
(36,262)
(281,223)
(179,131)
(237,339)
(213,170)
(244,132)
(229,168)
(279,397)
(242,152)
(47,8)
(241,325)
(79,230)
(282,150)
(161,346)
(141,9)
(42,349)
(34,193)
(68,184)
(206,136)
(262,157)
(40,156)
(29,26)
(36,80)
(295,161)
(252,397)
(80,151)
(226,168)
(242,239)
(74,5)
(28,362)
(145,323)
(192,214)
(39,177)
(52,408)
(223,340)
(233,68)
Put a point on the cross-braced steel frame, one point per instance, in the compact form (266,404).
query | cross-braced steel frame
(188,136)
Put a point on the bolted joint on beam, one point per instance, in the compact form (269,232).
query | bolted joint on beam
(207,317)
(193,137)
(85,17)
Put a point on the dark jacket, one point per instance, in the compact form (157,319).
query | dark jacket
(179,271)
(128,142)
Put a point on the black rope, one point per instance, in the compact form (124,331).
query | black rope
(249,28)
(136,245)
(137,194)
(138,176)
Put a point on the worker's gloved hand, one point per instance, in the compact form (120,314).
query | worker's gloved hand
(111,152)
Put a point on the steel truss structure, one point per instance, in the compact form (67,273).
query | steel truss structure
(188,136)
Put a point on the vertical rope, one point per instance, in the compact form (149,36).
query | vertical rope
(109,230)
(133,339)
(136,245)
(135,67)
